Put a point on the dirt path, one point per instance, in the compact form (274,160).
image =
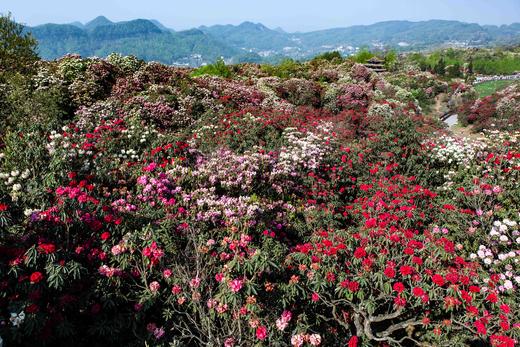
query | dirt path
(441,107)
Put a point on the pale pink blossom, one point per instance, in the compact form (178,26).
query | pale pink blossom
(155,286)
(315,339)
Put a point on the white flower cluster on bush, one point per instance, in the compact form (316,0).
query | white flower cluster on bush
(305,150)
(14,181)
(17,319)
(455,151)
(502,253)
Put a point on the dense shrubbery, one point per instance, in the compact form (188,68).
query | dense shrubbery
(300,204)
(500,111)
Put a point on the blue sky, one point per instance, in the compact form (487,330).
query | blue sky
(291,15)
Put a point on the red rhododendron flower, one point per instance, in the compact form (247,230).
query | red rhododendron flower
(406,270)
(315,297)
(398,287)
(353,286)
(389,272)
(417,260)
(481,328)
(32,308)
(474,289)
(472,310)
(502,341)
(105,236)
(399,301)
(371,223)
(36,277)
(505,308)
(360,253)
(261,332)
(438,280)
(3,207)
(418,291)
(452,277)
(46,248)
(492,297)
(353,342)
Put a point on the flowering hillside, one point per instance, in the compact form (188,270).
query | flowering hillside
(310,204)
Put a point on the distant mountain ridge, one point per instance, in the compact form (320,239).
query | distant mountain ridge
(254,42)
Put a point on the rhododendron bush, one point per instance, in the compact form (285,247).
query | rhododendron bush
(171,210)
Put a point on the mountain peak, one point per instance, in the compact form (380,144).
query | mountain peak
(251,25)
(97,22)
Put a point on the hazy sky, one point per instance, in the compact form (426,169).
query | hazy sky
(291,15)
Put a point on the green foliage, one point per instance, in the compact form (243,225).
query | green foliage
(24,105)
(391,60)
(219,68)
(487,88)
(17,50)
(334,56)
(486,62)
(363,56)
(440,67)
(505,65)
(454,71)
(287,68)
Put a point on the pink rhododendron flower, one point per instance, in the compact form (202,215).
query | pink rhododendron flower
(261,332)
(235,285)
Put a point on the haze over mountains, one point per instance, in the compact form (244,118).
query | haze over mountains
(254,42)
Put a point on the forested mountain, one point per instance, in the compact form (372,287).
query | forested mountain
(150,40)
(146,39)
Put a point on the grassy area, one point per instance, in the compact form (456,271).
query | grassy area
(488,88)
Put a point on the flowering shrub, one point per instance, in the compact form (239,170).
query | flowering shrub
(358,283)
(499,111)
(163,209)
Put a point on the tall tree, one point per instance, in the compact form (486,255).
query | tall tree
(17,49)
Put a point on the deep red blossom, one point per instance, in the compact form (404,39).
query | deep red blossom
(492,297)
(398,287)
(505,308)
(36,277)
(480,326)
(452,277)
(353,341)
(438,280)
(371,223)
(474,289)
(47,248)
(32,308)
(360,253)
(400,301)
(472,310)
(502,341)
(389,272)
(418,291)
(406,270)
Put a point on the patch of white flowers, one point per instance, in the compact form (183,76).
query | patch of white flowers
(14,181)
(304,149)
(455,151)
(503,253)
(17,319)
(134,132)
